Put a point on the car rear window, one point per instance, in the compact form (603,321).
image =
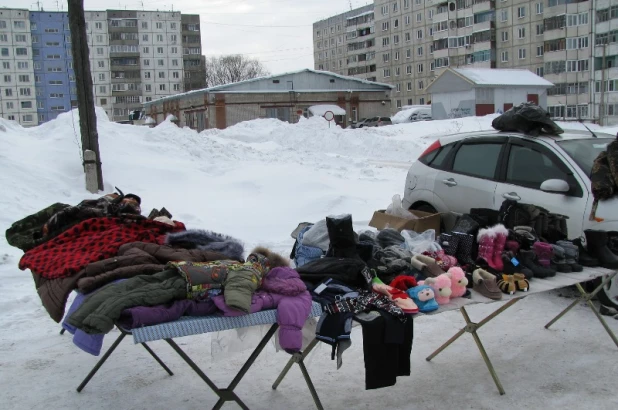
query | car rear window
(584,151)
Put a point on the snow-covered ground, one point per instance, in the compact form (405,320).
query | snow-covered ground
(257,181)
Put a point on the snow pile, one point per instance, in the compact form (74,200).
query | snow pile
(256,181)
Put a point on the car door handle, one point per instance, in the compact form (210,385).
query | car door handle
(511,195)
(449,182)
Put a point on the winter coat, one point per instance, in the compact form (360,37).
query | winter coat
(346,270)
(140,316)
(282,289)
(102,309)
(244,279)
(138,258)
(27,233)
(207,240)
(89,241)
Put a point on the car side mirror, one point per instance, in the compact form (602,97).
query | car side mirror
(555,186)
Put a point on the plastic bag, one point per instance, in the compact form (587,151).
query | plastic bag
(396,209)
(421,242)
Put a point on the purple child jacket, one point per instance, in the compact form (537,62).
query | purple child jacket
(282,289)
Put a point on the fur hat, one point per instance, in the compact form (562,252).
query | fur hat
(274,259)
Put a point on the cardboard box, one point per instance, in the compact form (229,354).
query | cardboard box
(381,220)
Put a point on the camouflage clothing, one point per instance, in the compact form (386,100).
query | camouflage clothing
(604,176)
(27,233)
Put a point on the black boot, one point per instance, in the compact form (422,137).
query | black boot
(596,242)
(528,259)
(510,268)
(465,242)
(585,259)
(341,236)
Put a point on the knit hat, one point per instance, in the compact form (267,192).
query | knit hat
(135,197)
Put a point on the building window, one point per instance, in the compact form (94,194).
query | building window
(522,53)
(409,69)
(386,73)
(419,51)
(24,78)
(161,74)
(20,38)
(24,92)
(101,76)
(102,89)
(419,34)
(98,25)
(539,51)
(160,62)
(21,51)
(408,53)
(161,87)
(419,68)
(19,24)
(540,29)
(55,82)
(398,87)
(539,8)
(521,32)
(175,74)
(175,63)
(144,37)
(148,87)
(505,36)
(505,56)
(174,50)
(27,118)
(409,86)
(22,65)
(100,51)
(26,104)
(9,105)
(421,85)
(8,92)
(521,12)
(147,74)
(146,61)
(159,50)
(56,95)
(7,78)
(160,38)
(539,71)
(504,15)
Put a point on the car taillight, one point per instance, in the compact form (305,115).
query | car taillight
(436,145)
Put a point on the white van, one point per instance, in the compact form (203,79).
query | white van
(412,114)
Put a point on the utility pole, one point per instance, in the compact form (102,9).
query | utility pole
(602,104)
(83,80)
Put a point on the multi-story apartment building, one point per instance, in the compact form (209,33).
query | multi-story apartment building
(345,43)
(53,64)
(135,57)
(572,43)
(17,90)
(192,59)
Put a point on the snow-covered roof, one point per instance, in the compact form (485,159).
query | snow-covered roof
(320,110)
(499,76)
(225,87)
(360,15)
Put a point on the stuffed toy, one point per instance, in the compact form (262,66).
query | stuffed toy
(458,282)
(399,297)
(441,286)
(424,298)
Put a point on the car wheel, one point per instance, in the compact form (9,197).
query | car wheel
(608,295)
(424,207)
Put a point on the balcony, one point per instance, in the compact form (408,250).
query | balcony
(441,53)
(480,6)
(485,25)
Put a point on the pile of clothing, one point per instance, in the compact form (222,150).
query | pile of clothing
(136,271)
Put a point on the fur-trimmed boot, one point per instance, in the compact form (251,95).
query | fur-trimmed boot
(486,239)
(501,235)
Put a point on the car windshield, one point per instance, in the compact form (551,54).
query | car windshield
(585,151)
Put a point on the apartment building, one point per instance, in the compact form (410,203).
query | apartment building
(17,90)
(193,61)
(345,44)
(135,57)
(572,43)
(53,64)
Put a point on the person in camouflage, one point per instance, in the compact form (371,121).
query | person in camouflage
(604,176)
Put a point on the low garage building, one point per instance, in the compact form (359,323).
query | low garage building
(284,96)
(464,92)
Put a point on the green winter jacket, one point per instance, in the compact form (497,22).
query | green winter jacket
(243,280)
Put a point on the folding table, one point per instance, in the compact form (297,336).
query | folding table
(561,280)
(187,326)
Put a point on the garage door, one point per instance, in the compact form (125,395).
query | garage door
(484,109)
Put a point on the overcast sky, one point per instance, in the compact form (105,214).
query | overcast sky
(251,27)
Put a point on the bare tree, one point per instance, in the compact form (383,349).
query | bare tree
(232,68)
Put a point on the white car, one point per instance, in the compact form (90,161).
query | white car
(482,169)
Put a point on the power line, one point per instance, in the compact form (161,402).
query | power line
(254,25)
(268,51)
